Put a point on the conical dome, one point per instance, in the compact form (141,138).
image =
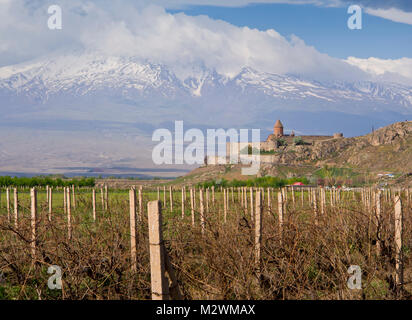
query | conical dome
(278,124)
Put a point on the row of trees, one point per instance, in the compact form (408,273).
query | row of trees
(274,182)
(7,181)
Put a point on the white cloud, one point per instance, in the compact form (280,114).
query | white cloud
(392,14)
(121,28)
(233,3)
(399,70)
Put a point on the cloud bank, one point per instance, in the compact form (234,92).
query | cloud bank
(148,32)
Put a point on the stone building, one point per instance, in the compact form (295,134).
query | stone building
(276,141)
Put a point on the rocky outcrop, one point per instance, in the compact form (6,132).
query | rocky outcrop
(390,134)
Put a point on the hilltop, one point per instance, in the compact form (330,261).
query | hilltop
(357,160)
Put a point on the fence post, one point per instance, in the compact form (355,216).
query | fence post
(8,203)
(164,197)
(224,206)
(183,203)
(207,200)
(74,197)
(322,201)
(202,211)
(50,199)
(33,209)
(280,209)
(241,197)
(106,197)
(133,238)
(315,206)
(251,203)
(213,195)
(16,208)
(140,216)
(171,198)
(102,198)
(69,215)
(302,196)
(258,231)
(378,222)
(398,243)
(192,206)
(159,283)
(64,200)
(94,203)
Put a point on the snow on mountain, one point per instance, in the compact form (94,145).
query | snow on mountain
(82,75)
(75,108)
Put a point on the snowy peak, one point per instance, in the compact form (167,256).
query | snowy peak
(90,75)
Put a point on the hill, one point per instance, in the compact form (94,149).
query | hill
(359,160)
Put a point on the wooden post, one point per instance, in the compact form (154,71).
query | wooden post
(94,203)
(140,215)
(258,231)
(241,197)
(8,203)
(322,201)
(398,243)
(251,203)
(133,237)
(213,194)
(293,195)
(315,206)
(171,199)
(227,200)
(16,209)
(164,197)
(245,200)
(158,193)
(50,200)
(378,222)
(183,203)
(202,211)
(192,206)
(102,198)
(33,207)
(74,197)
(64,200)
(224,206)
(69,215)
(280,210)
(106,198)
(160,286)
(207,200)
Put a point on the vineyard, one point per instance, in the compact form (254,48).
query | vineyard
(204,243)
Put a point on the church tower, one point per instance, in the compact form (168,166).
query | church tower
(278,129)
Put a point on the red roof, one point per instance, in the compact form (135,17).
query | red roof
(298,184)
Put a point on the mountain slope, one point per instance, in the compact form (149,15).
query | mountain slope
(90,99)
(44,82)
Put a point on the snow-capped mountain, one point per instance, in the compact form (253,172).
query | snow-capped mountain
(89,111)
(85,76)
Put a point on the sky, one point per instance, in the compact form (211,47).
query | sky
(309,38)
(325,28)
